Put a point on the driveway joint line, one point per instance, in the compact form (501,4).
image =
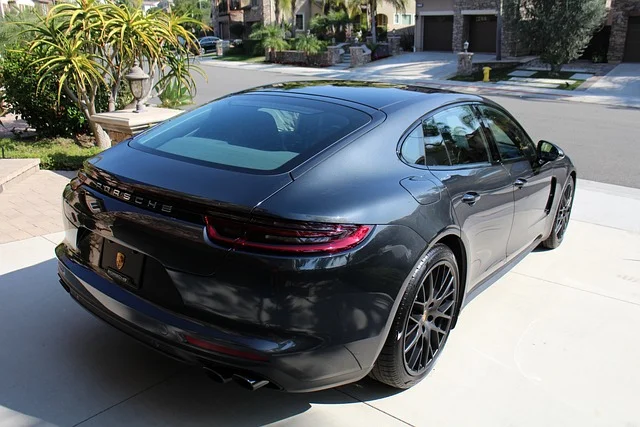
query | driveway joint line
(130,397)
(604,225)
(577,289)
(373,407)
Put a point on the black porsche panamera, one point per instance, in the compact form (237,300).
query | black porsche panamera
(303,235)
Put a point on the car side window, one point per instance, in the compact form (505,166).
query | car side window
(510,139)
(462,136)
(412,150)
(437,153)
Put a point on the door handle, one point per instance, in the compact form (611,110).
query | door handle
(520,182)
(470,198)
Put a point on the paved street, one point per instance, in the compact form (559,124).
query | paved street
(601,140)
(550,343)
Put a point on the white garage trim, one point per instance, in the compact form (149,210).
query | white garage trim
(437,13)
(480,12)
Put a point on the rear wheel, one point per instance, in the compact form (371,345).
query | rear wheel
(563,214)
(423,321)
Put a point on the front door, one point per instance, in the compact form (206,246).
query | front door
(457,153)
(531,183)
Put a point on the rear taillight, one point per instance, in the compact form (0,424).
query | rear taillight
(285,237)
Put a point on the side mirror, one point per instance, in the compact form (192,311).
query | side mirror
(548,152)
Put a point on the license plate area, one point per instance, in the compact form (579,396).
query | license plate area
(122,264)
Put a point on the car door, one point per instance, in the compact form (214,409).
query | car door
(531,182)
(480,188)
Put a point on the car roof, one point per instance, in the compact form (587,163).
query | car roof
(376,95)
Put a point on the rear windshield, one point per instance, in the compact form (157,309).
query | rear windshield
(256,133)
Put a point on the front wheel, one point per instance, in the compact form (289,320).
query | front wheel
(563,214)
(423,321)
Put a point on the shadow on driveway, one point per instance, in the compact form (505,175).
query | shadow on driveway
(60,365)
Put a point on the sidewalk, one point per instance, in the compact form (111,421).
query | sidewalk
(437,80)
(32,207)
(556,332)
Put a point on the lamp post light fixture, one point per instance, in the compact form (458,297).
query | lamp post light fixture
(466,47)
(137,78)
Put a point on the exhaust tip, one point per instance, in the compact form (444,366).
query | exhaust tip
(219,376)
(249,383)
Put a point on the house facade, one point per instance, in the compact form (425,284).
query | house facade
(624,41)
(226,15)
(444,25)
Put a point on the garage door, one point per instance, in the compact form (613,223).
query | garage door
(482,33)
(438,33)
(632,45)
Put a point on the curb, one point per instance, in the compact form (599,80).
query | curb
(30,167)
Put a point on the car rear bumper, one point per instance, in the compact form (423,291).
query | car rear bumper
(262,358)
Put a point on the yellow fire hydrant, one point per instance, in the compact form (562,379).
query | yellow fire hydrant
(487,72)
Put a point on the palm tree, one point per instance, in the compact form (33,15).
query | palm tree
(293,17)
(271,38)
(87,45)
(351,5)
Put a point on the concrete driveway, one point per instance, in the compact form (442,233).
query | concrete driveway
(624,80)
(417,65)
(553,342)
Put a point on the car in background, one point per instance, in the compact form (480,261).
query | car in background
(303,235)
(208,43)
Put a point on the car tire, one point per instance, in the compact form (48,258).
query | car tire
(563,214)
(398,364)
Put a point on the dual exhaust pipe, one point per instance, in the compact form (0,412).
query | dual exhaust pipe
(222,376)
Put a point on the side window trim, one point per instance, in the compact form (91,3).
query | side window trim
(496,159)
(491,137)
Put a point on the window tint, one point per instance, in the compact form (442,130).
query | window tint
(511,141)
(254,132)
(462,136)
(436,150)
(412,149)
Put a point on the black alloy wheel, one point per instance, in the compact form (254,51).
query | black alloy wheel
(563,215)
(430,319)
(421,327)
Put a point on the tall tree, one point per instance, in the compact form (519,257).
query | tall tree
(87,45)
(293,17)
(561,29)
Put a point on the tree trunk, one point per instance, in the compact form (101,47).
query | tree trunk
(102,137)
(293,18)
(373,4)
(555,70)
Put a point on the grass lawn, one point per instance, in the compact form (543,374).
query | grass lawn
(503,74)
(54,153)
(243,58)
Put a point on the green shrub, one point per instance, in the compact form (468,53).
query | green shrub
(54,154)
(175,94)
(38,106)
(309,44)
